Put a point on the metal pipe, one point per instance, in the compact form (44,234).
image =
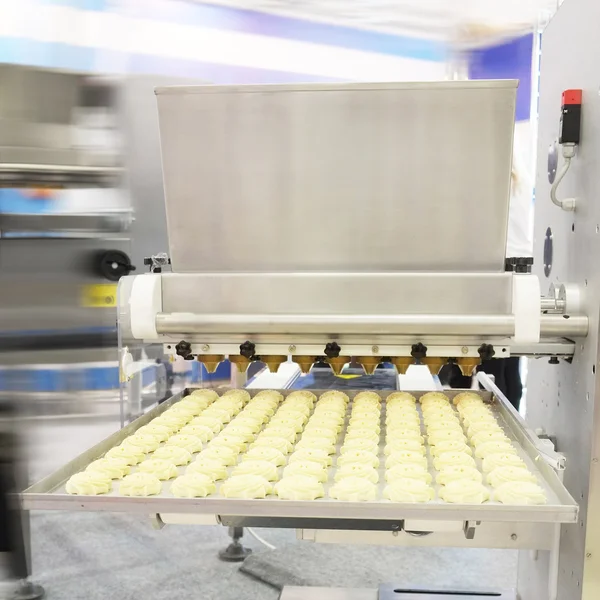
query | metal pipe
(552,304)
(498,325)
(441,325)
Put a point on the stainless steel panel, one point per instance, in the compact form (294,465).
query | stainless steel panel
(50,493)
(338,177)
(338,293)
(564,399)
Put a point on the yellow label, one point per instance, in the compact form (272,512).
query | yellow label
(99,295)
(349,376)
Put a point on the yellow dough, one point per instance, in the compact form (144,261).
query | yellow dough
(89,483)
(308,468)
(262,408)
(334,394)
(205,393)
(246,486)
(436,413)
(223,454)
(195,406)
(366,423)
(185,411)
(235,442)
(211,468)
(140,484)
(458,473)
(264,468)
(372,397)
(145,443)
(220,414)
(504,459)
(295,411)
(131,454)
(202,432)
(433,395)
(443,424)
(357,470)
(361,434)
(406,457)
(163,469)
(403,422)
(395,397)
(313,455)
(251,417)
(408,471)
(173,420)
(520,492)
(506,474)
(189,442)
(487,425)
(361,457)
(296,424)
(484,437)
(197,402)
(193,485)
(240,431)
(160,432)
(265,453)
(359,444)
(281,432)
(450,446)
(325,423)
(316,443)
(446,435)
(212,423)
(466,396)
(115,468)
(174,454)
(278,443)
(453,459)
(398,445)
(330,410)
(321,432)
(464,491)
(302,394)
(408,490)
(299,487)
(353,489)
(488,448)
(404,434)
(271,394)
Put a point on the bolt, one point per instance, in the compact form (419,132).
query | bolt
(395,533)
(375,349)
(594,460)
(291,348)
(588,555)
(513,537)
(205,348)
(464,350)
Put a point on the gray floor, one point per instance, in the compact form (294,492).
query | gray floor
(120,557)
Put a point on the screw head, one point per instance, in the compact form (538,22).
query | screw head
(588,555)
(375,349)
(205,348)
(292,348)
(464,350)
(513,537)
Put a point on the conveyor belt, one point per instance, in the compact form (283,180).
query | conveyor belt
(560,508)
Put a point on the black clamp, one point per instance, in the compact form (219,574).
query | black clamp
(157,262)
(184,349)
(247,350)
(486,352)
(418,352)
(518,264)
(332,350)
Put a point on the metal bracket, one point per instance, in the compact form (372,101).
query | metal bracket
(469,529)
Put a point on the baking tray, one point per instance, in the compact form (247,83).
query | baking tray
(49,493)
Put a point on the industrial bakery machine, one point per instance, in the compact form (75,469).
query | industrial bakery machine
(370,221)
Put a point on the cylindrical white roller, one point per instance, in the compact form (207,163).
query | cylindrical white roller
(145,302)
(526,308)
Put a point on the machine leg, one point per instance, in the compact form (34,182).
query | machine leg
(28,591)
(553,565)
(235,552)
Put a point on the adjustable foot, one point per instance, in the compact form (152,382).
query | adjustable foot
(235,552)
(28,591)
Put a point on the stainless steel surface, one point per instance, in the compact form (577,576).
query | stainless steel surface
(15,175)
(322,593)
(355,176)
(564,399)
(413,324)
(49,493)
(338,293)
